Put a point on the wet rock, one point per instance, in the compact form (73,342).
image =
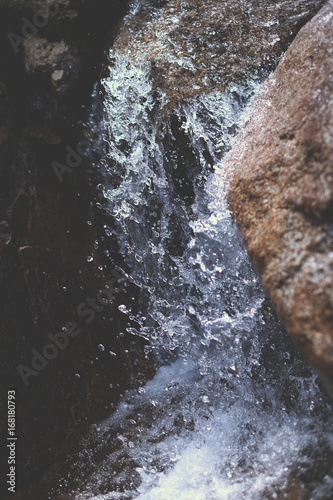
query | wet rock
(281,189)
(197,47)
(59,61)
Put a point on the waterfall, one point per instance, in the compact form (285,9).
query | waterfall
(234,412)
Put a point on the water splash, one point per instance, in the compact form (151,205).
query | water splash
(238,415)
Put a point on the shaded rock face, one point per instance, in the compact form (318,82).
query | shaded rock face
(58,61)
(56,248)
(197,47)
(281,189)
(42,5)
(65,38)
(34,4)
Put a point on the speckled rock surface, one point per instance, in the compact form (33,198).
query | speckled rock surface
(197,47)
(281,189)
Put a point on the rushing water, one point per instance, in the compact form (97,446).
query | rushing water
(234,413)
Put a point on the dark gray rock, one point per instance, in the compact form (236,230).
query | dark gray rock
(59,61)
(45,241)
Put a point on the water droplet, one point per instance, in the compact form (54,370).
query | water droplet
(90,258)
(191,310)
(101,347)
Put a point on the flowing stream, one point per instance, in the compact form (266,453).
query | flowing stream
(233,412)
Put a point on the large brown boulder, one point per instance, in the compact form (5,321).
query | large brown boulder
(281,189)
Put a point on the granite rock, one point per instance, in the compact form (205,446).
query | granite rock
(281,189)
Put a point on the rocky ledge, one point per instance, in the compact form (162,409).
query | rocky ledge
(197,47)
